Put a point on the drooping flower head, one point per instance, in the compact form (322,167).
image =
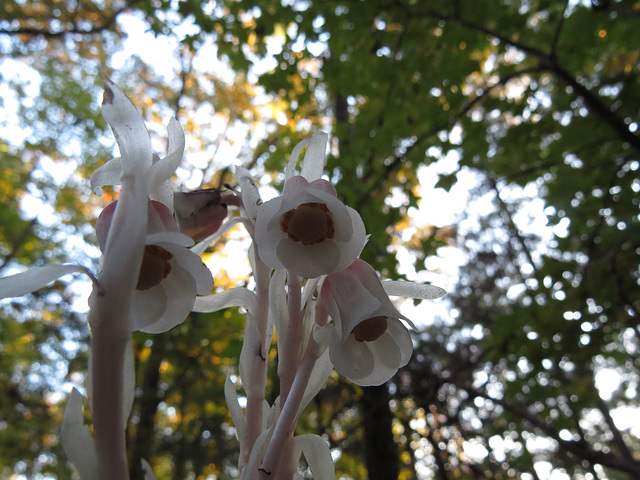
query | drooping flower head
(170,276)
(368,341)
(308,230)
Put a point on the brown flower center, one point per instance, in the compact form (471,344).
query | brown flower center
(155,267)
(310,223)
(370,329)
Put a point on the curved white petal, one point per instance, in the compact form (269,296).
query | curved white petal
(313,163)
(235,297)
(163,193)
(169,237)
(35,278)
(107,174)
(351,359)
(318,456)
(250,195)
(413,290)
(308,261)
(128,127)
(192,264)
(202,245)
(162,169)
(321,371)
(148,471)
(180,291)
(237,415)
(148,307)
(290,171)
(76,440)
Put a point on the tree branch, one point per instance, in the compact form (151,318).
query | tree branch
(579,449)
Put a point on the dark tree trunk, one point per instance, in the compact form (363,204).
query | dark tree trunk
(380,449)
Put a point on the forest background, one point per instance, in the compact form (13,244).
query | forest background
(491,147)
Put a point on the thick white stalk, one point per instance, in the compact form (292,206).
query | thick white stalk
(286,423)
(110,321)
(258,362)
(289,348)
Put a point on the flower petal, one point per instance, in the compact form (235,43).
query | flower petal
(128,127)
(192,264)
(250,195)
(307,261)
(174,238)
(290,171)
(148,471)
(235,297)
(77,442)
(35,278)
(318,456)
(180,291)
(162,169)
(148,307)
(313,163)
(107,174)
(413,290)
(237,415)
(351,359)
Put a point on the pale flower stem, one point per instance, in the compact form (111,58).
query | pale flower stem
(290,349)
(286,423)
(108,360)
(258,364)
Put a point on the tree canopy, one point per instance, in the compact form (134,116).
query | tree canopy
(528,107)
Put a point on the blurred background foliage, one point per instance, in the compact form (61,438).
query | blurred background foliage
(525,109)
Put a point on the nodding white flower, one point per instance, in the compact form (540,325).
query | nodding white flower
(308,230)
(170,275)
(368,342)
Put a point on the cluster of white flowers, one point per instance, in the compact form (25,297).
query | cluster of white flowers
(328,307)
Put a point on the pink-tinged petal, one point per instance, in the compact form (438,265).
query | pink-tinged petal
(36,278)
(77,442)
(192,264)
(128,127)
(107,174)
(160,218)
(200,213)
(324,186)
(347,301)
(104,223)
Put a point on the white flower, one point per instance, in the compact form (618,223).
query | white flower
(308,230)
(170,275)
(368,342)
